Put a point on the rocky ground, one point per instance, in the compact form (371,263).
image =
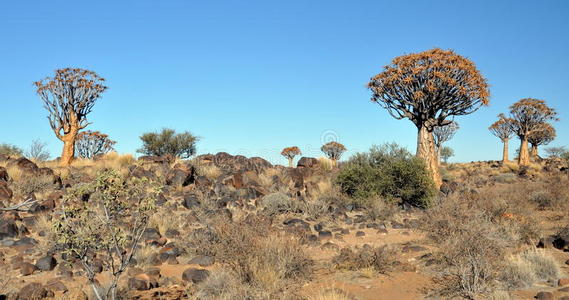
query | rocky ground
(384,252)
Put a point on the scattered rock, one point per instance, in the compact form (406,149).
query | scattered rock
(544,296)
(195,275)
(46,263)
(32,291)
(324,235)
(308,162)
(360,234)
(563,282)
(27,269)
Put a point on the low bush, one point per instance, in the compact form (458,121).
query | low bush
(389,172)
(525,269)
(168,142)
(380,259)
(10,150)
(279,203)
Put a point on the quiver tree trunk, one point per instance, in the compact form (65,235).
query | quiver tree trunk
(290,162)
(505,154)
(533,152)
(426,150)
(523,159)
(69,144)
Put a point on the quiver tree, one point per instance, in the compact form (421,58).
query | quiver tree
(92,143)
(334,151)
(290,153)
(443,134)
(544,136)
(427,88)
(527,117)
(69,96)
(502,129)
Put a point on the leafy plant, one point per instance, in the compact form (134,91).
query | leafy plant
(168,142)
(106,215)
(388,171)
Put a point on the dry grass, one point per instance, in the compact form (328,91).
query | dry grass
(331,294)
(525,269)
(379,259)
(209,170)
(326,164)
(164,221)
(143,255)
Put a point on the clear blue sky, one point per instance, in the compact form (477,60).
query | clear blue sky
(252,77)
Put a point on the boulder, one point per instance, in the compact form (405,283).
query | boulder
(32,291)
(25,165)
(27,269)
(46,263)
(8,228)
(4,174)
(5,192)
(191,201)
(178,177)
(195,275)
(544,296)
(307,162)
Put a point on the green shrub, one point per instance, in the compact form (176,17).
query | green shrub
(388,171)
(168,142)
(10,150)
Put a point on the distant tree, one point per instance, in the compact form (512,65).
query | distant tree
(290,153)
(502,129)
(92,143)
(446,153)
(443,134)
(38,151)
(545,135)
(334,151)
(427,88)
(168,142)
(527,117)
(69,96)
(556,151)
(10,150)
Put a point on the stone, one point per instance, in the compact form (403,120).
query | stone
(308,162)
(360,234)
(5,192)
(324,235)
(178,177)
(32,291)
(46,263)
(563,282)
(56,286)
(191,201)
(544,296)
(27,269)
(8,228)
(195,275)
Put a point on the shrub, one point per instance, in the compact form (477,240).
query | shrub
(388,171)
(381,259)
(527,268)
(168,142)
(104,215)
(28,184)
(38,151)
(278,203)
(10,150)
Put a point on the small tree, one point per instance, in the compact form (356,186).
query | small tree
(38,151)
(540,137)
(446,153)
(427,88)
(443,134)
(109,215)
(92,143)
(502,129)
(168,142)
(556,152)
(334,151)
(290,153)
(527,117)
(10,150)
(69,96)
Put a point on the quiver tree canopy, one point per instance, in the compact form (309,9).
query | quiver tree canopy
(503,130)
(443,134)
(427,88)
(69,96)
(545,135)
(333,150)
(527,117)
(92,143)
(290,153)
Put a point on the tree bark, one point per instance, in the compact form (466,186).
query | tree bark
(533,152)
(68,153)
(426,151)
(505,153)
(523,159)
(290,162)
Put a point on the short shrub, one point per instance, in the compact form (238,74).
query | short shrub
(381,259)
(527,268)
(388,171)
(168,142)
(278,203)
(10,150)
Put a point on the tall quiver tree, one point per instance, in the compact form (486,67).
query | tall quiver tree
(427,88)
(528,116)
(502,129)
(334,151)
(443,134)
(290,153)
(69,96)
(541,137)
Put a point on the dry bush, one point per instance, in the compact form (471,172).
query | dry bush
(525,269)
(380,259)
(28,184)
(267,263)
(325,163)
(279,203)
(222,285)
(331,294)
(143,255)
(553,194)
(210,171)
(163,221)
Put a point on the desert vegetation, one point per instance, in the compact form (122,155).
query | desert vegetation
(175,224)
